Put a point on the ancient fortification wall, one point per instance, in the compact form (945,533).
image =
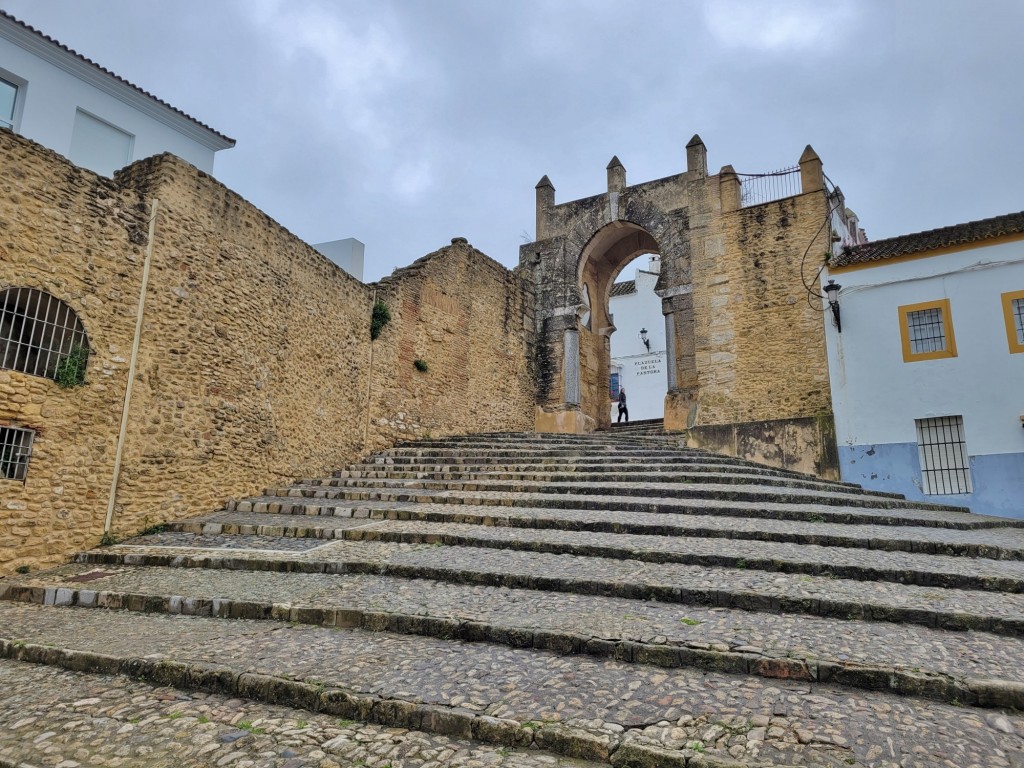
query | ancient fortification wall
(468,321)
(254,358)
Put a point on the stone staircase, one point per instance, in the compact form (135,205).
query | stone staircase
(521,600)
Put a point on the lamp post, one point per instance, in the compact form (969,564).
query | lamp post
(832,292)
(644,339)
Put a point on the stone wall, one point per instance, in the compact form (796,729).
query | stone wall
(469,321)
(760,346)
(255,362)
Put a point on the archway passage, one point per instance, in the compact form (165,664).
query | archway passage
(638,349)
(604,257)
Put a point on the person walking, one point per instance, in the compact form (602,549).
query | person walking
(623,410)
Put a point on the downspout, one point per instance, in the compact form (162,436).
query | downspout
(131,370)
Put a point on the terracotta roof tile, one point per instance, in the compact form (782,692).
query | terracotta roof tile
(624,288)
(117,77)
(958,234)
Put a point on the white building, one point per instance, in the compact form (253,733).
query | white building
(927,373)
(96,119)
(347,254)
(638,365)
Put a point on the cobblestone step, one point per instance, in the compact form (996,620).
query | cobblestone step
(610,476)
(738,588)
(970,668)
(996,543)
(759,501)
(757,491)
(595,709)
(850,563)
(52,716)
(598,509)
(983,541)
(596,468)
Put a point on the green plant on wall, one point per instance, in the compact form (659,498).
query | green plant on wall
(381,317)
(421,365)
(70,370)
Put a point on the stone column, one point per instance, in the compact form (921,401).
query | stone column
(571,367)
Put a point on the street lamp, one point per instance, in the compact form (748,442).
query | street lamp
(644,339)
(832,292)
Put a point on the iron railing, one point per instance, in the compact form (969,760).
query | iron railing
(758,188)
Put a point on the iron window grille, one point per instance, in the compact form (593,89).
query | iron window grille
(945,465)
(926,331)
(1017,310)
(37,331)
(15,452)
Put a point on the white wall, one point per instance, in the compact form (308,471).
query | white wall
(644,373)
(876,396)
(47,106)
(347,254)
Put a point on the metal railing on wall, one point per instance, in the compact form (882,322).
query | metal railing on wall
(758,188)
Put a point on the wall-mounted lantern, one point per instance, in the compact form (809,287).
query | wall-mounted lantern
(644,339)
(832,292)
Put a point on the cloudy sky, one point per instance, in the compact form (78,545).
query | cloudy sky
(404,123)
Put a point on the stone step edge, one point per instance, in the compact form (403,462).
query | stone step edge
(599,470)
(524,522)
(339,702)
(301,505)
(336,479)
(981,692)
(741,599)
(568,500)
(920,578)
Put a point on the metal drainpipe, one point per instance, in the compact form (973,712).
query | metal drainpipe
(131,369)
(369,383)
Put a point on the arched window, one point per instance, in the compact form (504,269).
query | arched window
(38,331)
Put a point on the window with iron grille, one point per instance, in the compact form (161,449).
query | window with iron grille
(1013,312)
(943,452)
(15,451)
(37,332)
(927,331)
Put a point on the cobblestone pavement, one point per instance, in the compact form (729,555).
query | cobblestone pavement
(553,598)
(999,543)
(726,491)
(730,716)
(808,509)
(672,582)
(912,568)
(882,645)
(52,717)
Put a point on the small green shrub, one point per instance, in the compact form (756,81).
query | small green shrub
(108,539)
(421,365)
(22,569)
(70,371)
(381,317)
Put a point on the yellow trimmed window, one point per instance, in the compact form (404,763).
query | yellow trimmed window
(1013,312)
(927,331)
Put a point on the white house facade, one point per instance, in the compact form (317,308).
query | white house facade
(638,365)
(927,373)
(57,97)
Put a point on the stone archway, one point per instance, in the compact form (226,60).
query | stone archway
(606,254)
(581,247)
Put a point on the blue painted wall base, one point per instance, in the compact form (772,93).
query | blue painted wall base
(998,479)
